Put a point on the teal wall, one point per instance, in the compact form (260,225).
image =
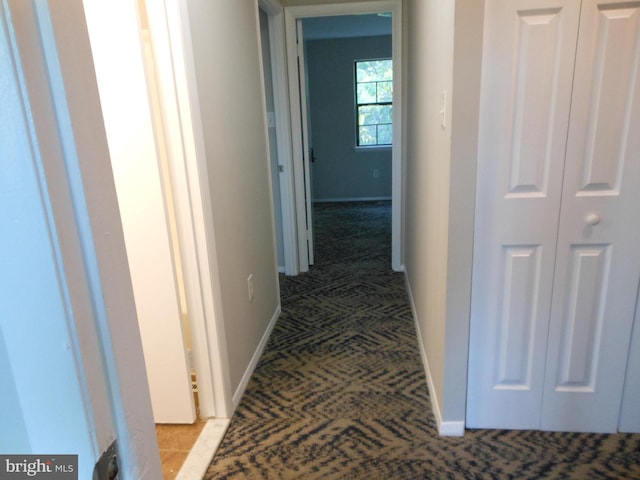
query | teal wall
(341,172)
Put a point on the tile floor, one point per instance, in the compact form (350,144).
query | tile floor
(175,442)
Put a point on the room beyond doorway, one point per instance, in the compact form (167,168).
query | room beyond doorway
(294,173)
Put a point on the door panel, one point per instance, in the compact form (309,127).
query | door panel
(607,69)
(534,78)
(598,259)
(582,317)
(306,149)
(529,49)
(517,322)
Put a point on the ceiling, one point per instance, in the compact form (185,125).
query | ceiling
(343,26)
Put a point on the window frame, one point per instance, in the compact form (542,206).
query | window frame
(357,106)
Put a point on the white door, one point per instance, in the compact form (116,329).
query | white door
(550,288)
(306,146)
(525,102)
(300,141)
(143,201)
(598,257)
(70,359)
(50,362)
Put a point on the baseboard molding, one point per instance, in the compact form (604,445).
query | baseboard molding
(199,458)
(451,429)
(445,428)
(254,360)
(351,199)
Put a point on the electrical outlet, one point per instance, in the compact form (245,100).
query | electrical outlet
(250,290)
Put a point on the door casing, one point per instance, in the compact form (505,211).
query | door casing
(297,173)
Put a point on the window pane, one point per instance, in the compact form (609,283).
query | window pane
(374,95)
(374,114)
(385,92)
(367,92)
(367,135)
(374,70)
(385,134)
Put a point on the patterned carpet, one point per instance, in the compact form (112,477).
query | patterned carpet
(340,391)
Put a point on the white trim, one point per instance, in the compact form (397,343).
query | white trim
(445,428)
(397,168)
(305,228)
(292,14)
(199,458)
(351,199)
(451,429)
(270,7)
(254,360)
(372,148)
(283,132)
(295,111)
(205,233)
(169,32)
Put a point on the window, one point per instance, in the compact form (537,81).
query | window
(374,94)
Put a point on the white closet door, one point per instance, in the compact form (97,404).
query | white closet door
(598,255)
(529,49)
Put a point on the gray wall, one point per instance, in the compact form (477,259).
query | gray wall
(341,172)
(442,51)
(228,72)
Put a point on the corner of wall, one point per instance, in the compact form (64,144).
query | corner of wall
(445,428)
(254,361)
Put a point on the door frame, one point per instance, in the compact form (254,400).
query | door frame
(93,308)
(139,164)
(296,174)
(280,81)
(184,142)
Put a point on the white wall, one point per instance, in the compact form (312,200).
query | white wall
(230,89)
(444,47)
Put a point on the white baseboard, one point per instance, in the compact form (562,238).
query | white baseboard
(351,199)
(199,458)
(254,360)
(445,428)
(451,429)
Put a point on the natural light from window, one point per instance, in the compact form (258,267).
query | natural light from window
(374,95)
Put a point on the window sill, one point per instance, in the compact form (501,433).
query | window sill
(372,148)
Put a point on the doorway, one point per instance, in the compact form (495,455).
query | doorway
(298,170)
(349,135)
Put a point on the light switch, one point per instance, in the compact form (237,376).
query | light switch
(443,109)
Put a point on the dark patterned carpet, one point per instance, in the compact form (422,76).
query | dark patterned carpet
(340,391)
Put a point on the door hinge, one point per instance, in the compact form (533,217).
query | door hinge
(107,465)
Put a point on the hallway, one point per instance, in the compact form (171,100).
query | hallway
(342,365)
(340,391)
